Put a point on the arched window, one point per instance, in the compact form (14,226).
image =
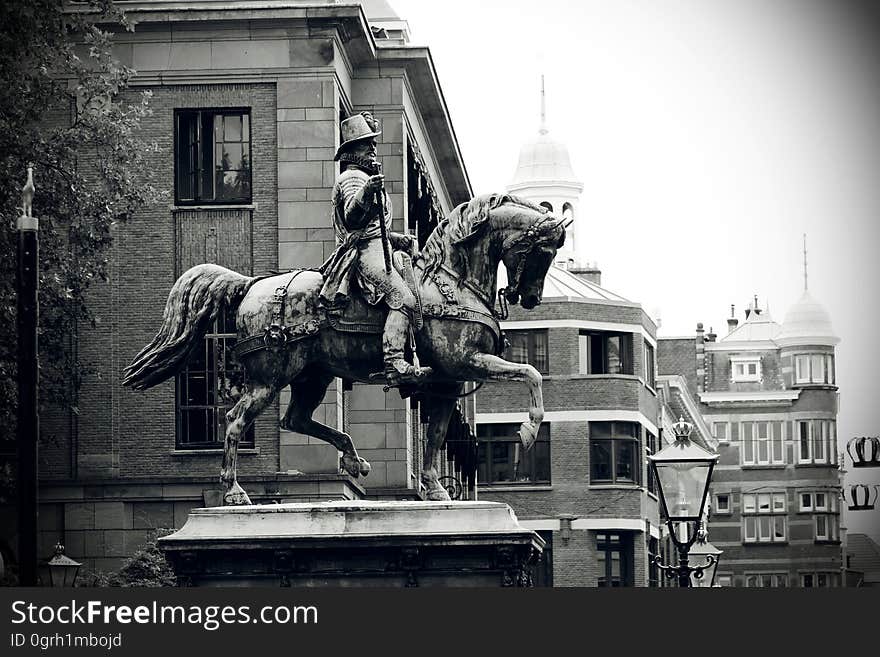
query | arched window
(568,213)
(546,204)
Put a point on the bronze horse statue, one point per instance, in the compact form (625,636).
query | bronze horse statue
(286,338)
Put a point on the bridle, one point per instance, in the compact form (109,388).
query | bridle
(533,238)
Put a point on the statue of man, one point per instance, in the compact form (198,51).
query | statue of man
(358,201)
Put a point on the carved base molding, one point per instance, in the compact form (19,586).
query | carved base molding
(356,544)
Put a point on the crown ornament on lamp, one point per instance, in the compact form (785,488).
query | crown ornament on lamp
(863,445)
(862,497)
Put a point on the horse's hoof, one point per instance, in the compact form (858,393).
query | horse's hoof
(355,465)
(236,496)
(437,495)
(527,435)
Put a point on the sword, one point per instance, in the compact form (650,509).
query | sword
(380,201)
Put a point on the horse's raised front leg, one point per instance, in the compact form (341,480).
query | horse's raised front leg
(253,402)
(440,411)
(305,397)
(486,366)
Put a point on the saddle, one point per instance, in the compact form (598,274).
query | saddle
(357,316)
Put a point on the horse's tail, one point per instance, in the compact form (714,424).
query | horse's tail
(193,304)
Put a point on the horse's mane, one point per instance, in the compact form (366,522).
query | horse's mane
(464,223)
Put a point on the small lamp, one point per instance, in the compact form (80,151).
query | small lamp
(62,569)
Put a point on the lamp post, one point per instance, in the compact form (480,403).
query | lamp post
(28,422)
(683,471)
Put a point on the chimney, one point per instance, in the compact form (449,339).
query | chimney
(710,337)
(757,310)
(732,321)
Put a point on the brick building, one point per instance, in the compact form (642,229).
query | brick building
(254,91)
(768,393)
(584,485)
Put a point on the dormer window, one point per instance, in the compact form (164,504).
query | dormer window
(745,369)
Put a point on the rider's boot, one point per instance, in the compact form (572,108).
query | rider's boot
(397,370)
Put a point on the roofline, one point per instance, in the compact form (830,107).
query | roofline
(449,157)
(516,186)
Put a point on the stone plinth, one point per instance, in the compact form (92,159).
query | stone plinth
(354,543)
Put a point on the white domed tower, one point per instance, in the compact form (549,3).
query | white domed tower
(544,176)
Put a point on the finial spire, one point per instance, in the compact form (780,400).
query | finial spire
(805,262)
(543,129)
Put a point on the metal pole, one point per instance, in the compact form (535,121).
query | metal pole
(28,419)
(684,571)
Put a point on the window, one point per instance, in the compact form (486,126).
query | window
(722,503)
(212,156)
(529,347)
(501,458)
(208,388)
(766,580)
(827,527)
(817,441)
(823,501)
(744,369)
(614,453)
(762,443)
(820,580)
(764,519)
(615,559)
(724,580)
(650,378)
(601,352)
(650,448)
(814,368)
(720,431)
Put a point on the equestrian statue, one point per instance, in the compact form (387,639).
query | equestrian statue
(375,302)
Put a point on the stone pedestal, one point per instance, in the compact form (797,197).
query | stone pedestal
(354,543)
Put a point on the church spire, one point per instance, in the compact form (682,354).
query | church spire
(543,129)
(805,262)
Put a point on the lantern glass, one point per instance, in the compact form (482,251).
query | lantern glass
(62,569)
(697,557)
(683,471)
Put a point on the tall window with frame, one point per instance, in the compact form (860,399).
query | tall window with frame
(208,388)
(212,156)
(529,346)
(614,453)
(762,443)
(604,352)
(823,504)
(816,442)
(764,518)
(650,448)
(615,559)
(502,460)
(650,377)
(820,580)
(766,580)
(816,369)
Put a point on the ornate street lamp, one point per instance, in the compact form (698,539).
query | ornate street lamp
(62,569)
(683,471)
(700,552)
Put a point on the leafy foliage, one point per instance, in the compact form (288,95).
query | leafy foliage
(64,112)
(145,568)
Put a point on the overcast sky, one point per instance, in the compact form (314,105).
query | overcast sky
(710,136)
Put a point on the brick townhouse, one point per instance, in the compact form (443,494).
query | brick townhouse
(769,394)
(585,484)
(255,92)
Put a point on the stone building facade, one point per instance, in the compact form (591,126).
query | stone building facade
(769,394)
(246,104)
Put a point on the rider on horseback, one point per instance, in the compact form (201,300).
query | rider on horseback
(358,199)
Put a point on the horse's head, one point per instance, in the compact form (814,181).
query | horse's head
(527,254)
